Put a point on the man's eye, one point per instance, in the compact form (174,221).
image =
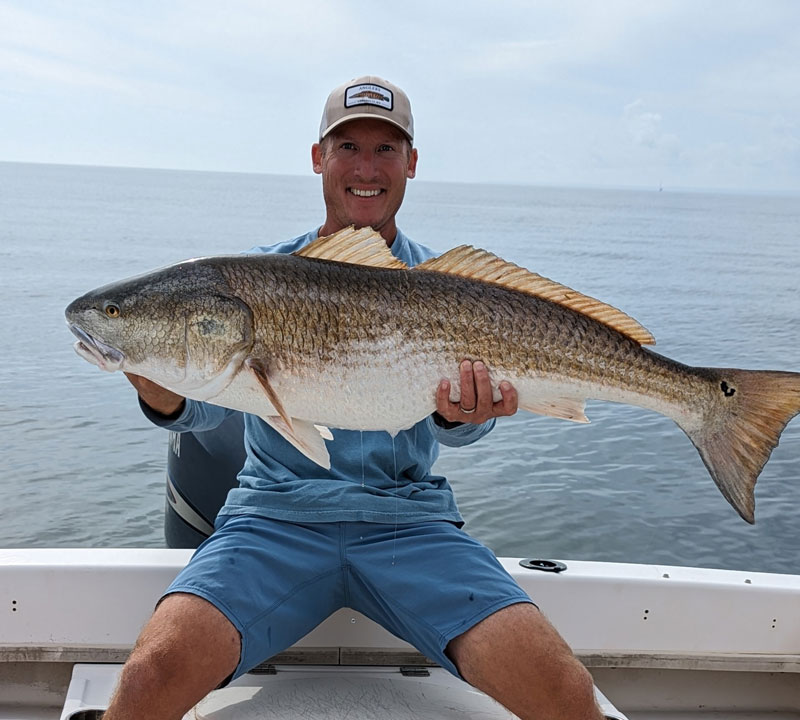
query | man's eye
(347,146)
(385,148)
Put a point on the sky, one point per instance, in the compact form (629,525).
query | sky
(611,93)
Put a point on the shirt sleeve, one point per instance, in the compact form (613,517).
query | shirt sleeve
(461,435)
(196,416)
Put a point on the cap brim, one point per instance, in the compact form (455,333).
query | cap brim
(373,116)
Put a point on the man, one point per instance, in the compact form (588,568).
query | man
(377,532)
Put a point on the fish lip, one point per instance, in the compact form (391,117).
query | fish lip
(96,351)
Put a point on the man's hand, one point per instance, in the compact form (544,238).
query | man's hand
(160,399)
(476,404)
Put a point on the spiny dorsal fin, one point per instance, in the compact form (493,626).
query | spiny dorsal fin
(357,247)
(470,262)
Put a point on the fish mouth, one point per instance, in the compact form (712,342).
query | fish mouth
(96,351)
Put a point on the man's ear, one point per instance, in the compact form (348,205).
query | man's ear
(316,158)
(412,164)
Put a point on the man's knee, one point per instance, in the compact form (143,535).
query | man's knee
(517,657)
(185,632)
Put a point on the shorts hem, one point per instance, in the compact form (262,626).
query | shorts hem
(226,611)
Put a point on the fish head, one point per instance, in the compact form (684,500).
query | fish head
(180,327)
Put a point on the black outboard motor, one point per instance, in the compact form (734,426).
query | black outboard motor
(201,468)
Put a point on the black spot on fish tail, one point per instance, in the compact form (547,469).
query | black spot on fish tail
(727,390)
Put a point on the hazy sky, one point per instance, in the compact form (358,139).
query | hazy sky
(701,94)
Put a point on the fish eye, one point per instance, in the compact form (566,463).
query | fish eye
(111,309)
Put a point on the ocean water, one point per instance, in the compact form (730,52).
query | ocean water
(714,277)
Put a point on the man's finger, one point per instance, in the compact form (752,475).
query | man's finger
(443,396)
(469,400)
(509,402)
(483,388)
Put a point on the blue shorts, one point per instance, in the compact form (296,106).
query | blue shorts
(276,581)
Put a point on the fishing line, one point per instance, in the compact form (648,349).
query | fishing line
(361,432)
(396,501)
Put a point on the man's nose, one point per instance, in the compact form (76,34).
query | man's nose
(366,165)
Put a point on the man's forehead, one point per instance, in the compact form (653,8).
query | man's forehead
(359,127)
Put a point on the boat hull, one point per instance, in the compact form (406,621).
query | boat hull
(656,638)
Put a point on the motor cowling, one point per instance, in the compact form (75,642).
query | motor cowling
(201,468)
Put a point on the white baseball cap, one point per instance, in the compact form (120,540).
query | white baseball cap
(367,97)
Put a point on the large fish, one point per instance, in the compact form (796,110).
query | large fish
(342,334)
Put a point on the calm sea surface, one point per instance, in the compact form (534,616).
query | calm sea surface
(714,277)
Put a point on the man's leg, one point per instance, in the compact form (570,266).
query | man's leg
(268,583)
(446,593)
(184,652)
(517,657)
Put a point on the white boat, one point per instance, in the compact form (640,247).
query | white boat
(661,642)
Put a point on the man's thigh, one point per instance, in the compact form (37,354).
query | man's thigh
(427,583)
(516,656)
(273,581)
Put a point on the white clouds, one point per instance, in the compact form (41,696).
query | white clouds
(550,42)
(619,92)
(776,148)
(23,69)
(644,129)
(785,135)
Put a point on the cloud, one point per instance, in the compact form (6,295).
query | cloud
(644,129)
(619,92)
(785,135)
(777,148)
(24,70)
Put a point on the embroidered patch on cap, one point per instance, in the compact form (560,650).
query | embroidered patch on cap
(368,94)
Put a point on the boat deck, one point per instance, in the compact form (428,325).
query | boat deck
(63,691)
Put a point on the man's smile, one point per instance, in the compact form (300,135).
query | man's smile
(364,193)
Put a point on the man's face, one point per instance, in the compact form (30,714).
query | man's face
(364,165)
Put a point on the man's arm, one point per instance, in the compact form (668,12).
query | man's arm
(169,410)
(163,401)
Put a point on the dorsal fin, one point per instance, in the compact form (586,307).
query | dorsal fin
(470,262)
(357,247)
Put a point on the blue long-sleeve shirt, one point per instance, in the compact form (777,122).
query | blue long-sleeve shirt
(373,477)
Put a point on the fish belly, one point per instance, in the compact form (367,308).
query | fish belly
(371,391)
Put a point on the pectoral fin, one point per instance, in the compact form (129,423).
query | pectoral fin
(259,369)
(559,407)
(308,438)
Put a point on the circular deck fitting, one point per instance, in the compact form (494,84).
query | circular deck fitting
(553,566)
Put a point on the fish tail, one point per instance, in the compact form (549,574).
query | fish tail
(742,427)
